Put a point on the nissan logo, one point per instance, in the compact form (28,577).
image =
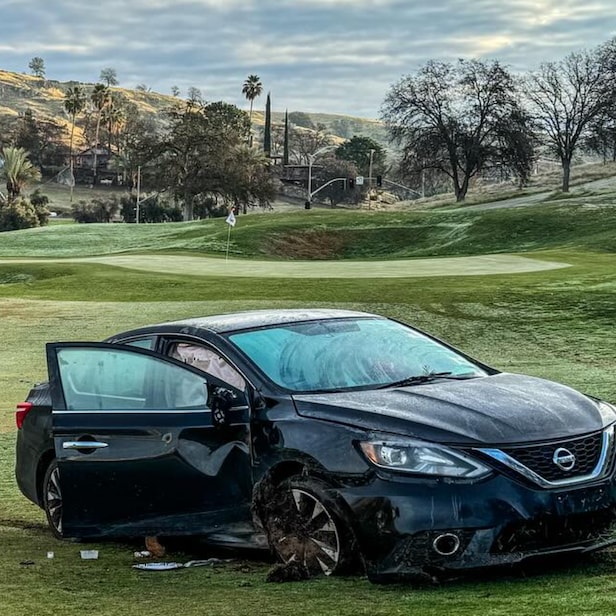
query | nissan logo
(564,459)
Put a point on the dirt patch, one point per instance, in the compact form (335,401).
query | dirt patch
(288,572)
(310,245)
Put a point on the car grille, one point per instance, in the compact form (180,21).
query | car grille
(594,455)
(554,532)
(539,458)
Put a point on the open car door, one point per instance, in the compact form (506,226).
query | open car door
(146,445)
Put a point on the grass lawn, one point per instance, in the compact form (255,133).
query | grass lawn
(556,323)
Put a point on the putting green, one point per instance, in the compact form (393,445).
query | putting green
(402,268)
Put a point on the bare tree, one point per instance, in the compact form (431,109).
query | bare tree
(305,142)
(194,95)
(565,98)
(601,137)
(109,76)
(453,118)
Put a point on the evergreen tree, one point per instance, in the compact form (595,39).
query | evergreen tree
(37,67)
(285,154)
(267,134)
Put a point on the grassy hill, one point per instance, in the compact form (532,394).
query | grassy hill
(332,235)
(586,220)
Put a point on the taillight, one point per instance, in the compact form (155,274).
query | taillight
(23,408)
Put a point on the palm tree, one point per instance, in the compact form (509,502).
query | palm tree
(114,116)
(74,103)
(17,171)
(251,90)
(101,98)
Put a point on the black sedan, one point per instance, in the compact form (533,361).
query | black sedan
(336,438)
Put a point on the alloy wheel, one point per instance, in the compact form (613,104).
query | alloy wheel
(307,533)
(53,501)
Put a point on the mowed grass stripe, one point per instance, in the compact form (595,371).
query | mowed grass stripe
(400,268)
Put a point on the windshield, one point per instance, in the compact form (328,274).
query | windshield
(339,354)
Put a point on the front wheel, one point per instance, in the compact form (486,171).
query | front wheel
(52,499)
(305,525)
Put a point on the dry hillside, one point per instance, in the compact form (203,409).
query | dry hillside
(45,98)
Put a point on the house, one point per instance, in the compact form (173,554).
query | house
(106,169)
(85,159)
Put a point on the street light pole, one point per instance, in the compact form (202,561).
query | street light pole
(370,170)
(311,158)
(138,193)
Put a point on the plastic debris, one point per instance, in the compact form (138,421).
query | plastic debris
(89,554)
(210,562)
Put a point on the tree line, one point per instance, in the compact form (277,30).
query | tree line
(199,155)
(451,121)
(458,120)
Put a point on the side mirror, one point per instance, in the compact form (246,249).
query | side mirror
(221,401)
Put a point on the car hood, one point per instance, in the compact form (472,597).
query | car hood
(499,409)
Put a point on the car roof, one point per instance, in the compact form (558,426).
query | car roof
(225,323)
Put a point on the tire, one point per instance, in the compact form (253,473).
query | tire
(305,526)
(52,499)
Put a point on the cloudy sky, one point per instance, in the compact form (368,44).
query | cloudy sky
(336,56)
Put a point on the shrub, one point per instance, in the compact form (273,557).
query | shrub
(97,210)
(40,203)
(151,209)
(18,214)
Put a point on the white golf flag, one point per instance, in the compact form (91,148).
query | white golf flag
(230,220)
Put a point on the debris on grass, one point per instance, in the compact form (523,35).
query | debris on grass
(167,566)
(292,571)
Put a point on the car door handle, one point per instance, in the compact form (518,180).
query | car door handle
(84,445)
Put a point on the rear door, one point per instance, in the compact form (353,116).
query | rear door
(138,448)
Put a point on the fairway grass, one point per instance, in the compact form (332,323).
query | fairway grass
(551,322)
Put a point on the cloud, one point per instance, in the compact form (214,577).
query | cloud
(321,55)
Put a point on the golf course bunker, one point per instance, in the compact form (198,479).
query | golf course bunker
(402,268)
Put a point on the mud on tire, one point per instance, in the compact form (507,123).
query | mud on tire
(305,525)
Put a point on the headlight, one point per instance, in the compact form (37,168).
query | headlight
(608,412)
(422,459)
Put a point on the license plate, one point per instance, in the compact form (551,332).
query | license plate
(583,501)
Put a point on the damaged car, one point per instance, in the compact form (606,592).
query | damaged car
(337,439)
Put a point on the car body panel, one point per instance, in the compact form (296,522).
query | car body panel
(171,472)
(136,467)
(496,409)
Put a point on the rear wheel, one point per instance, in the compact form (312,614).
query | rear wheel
(52,499)
(305,525)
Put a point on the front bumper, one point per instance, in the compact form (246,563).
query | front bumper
(407,527)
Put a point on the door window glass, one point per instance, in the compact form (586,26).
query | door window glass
(110,379)
(141,343)
(209,361)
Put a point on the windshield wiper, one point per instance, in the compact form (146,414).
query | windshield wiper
(426,378)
